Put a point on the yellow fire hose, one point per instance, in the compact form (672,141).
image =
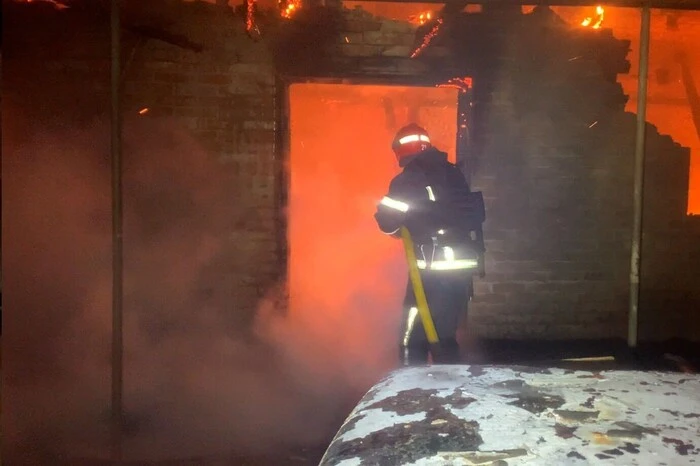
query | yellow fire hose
(421,301)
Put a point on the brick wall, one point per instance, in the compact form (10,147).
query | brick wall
(558,238)
(223,97)
(371,45)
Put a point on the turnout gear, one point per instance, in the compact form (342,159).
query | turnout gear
(432,199)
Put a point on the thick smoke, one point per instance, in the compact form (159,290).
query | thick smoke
(199,376)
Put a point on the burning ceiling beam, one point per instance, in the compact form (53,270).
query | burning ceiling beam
(428,38)
(251,26)
(438,24)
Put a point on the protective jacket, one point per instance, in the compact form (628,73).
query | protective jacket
(432,199)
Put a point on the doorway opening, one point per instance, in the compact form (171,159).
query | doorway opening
(345,277)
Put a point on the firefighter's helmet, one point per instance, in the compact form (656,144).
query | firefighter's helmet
(410,140)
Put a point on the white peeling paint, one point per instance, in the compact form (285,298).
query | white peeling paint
(350,462)
(668,404)
(377,419)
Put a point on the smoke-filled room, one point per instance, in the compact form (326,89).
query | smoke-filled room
(346,233)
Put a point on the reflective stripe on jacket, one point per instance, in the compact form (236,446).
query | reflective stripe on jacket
(425,197)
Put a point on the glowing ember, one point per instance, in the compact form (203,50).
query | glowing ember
(463,84)
(143,111)
(58,5)
(597,21)
(250,26)
(428,38)
(289,7)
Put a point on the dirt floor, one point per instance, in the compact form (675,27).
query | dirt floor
(681,356)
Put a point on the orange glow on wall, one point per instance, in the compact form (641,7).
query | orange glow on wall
(343,272)
(673,34)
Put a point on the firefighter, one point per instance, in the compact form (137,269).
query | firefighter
(430,197)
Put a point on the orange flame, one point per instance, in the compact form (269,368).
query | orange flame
(597,21)
(143,111)
(421,18)
(289,8)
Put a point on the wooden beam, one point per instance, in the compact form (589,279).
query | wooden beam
(663,4)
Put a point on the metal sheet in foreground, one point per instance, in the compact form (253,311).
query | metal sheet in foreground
(508,415)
